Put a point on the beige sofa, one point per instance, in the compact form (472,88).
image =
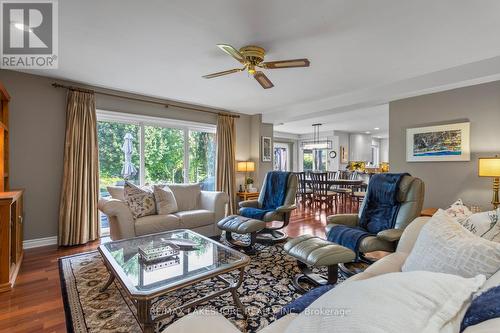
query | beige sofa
(198,322)
(197,210)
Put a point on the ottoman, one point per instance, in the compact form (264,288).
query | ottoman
(241,225)
(311,251)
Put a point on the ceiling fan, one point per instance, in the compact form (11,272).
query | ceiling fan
(252,57)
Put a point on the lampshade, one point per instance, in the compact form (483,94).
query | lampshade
(245,166)
(489,167)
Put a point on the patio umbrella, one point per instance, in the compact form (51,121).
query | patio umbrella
(128,170)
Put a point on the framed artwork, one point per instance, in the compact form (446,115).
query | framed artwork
(344,158)
(441,143)
(266,149)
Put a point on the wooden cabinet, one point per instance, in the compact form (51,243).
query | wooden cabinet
(11,237)
(11,207)
(4,138)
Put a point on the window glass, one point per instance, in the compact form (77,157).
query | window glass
(202,159)
(163,155)
(307,162)
(118,154)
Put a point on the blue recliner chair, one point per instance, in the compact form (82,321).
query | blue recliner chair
(275,203)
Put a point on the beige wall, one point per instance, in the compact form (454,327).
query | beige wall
(447,181)
(37,128)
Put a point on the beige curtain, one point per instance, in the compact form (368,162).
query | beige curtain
(78,214)
(226,169)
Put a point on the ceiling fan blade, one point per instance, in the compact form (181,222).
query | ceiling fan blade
(286,63)
(263,80)
(231,71)
(232,52)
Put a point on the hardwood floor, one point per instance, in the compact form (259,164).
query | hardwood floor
(35,304)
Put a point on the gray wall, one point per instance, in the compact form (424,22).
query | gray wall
(360,147)
(37,129)
(384,150)
(447,181)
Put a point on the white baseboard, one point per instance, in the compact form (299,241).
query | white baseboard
(32,243)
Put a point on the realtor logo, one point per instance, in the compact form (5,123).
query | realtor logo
(29,34)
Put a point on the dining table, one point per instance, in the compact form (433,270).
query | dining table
(341,183)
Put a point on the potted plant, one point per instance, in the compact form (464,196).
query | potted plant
(249,183)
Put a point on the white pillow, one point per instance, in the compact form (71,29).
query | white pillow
(445,246)
(422,302)
(458,211)
(141,201)
(484,224)
(165,200)
(116,192)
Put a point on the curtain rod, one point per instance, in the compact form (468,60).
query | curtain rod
(137,99)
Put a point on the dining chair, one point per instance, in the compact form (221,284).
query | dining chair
(332,175)
(304,192)
(344,191)
(321,191)
(358,195)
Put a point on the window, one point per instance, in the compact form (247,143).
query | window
(202,159)
(314,159)
(149,150)
(307,160)
(110,136)
(163,155)
(281,157)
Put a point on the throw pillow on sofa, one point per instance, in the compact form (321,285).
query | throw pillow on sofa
(116,192)
(165,200)
(458,211)
(444,246)
(141,201)
(391,303)
(483,224)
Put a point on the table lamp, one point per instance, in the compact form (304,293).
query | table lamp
(490,167)
(246,167)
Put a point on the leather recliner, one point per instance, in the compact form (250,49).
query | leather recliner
(282,213)
(311,251)
(410,195)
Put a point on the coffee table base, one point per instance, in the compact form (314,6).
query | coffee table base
(144,306)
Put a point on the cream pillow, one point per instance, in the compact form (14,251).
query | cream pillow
(445,246)
(116,192)
(484,224)
(422,302)
(165,200)
(141,201)
(458,211)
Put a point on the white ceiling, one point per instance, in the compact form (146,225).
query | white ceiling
(363,53)
(374,120)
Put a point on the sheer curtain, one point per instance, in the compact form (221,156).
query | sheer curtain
(226,168)
(78,214)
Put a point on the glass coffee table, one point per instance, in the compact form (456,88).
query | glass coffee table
(144,282)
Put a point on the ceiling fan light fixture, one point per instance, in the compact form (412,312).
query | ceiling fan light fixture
(252,56)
